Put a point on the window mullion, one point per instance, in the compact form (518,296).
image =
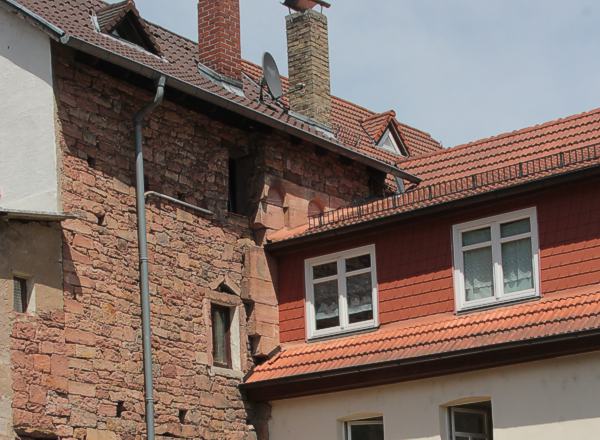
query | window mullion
(497,261)
(342,295)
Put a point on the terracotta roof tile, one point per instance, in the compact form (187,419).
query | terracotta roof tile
(179,59)
(558,314)
(511,159)
(357,126)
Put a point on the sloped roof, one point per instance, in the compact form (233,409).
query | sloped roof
(504,161)
(179,59)
(557,314)
(357,126)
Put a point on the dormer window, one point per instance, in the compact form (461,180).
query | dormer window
(122,20)
(389,143)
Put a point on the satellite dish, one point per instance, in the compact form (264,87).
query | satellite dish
(271,76)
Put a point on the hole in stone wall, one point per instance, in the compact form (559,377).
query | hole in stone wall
(146,182)
(181,196)
(91,161)
(182,415)
(101,219)
(120,408)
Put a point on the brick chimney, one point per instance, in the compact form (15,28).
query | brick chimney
(308,63)
(219,37)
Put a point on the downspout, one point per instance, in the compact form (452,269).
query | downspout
(143,252)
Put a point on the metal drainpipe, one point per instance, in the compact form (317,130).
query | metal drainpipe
(143,252)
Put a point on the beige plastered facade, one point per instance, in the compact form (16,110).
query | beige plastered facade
(34,251)
(553,399)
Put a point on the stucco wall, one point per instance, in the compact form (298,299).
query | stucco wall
(552,399)
(34,251)
(28,176)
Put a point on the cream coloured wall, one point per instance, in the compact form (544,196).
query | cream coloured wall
(28,165)
(554,399)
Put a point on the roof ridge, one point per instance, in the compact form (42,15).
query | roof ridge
(505,135)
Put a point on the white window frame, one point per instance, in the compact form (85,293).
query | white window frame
(351,423)
(395,146)
(496,241)
(339,258)
(470,436)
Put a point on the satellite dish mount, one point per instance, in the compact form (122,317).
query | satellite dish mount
(272,81)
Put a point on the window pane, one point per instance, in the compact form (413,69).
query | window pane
(360,298)
(515,228)
(517,265)
(366,432)
(324,270)
(478,274)
(471,423)
(357,263)
(20,295)
(327,305)
(220,328)
(476,236)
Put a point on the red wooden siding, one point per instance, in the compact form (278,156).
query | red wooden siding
(414,258)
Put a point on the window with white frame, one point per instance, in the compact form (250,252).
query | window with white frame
(367,429)
(471,422)
(387,142)
(496,259)
(341,292)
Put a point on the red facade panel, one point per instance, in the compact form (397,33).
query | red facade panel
(414,258)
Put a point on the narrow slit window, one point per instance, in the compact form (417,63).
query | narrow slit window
(240,176)
(221,336)
(21,294)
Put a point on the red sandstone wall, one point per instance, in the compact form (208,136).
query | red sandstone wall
(71,368)
(414,259)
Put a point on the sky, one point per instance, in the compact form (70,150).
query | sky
(458,69)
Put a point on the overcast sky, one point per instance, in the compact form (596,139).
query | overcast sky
(459,69)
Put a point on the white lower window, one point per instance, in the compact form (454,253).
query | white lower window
(471,422)
(341,292)
(368,429)
(496,259)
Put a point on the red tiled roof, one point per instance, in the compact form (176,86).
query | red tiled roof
(558,314)
(179,59)
(356,126)
(508,160)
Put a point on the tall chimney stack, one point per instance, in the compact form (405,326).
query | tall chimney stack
(219,42)
(308,60)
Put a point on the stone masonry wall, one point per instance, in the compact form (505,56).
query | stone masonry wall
(86,360)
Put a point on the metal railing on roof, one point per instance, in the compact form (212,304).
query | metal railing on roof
(466,185)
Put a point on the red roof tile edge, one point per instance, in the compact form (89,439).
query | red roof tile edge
(560,314)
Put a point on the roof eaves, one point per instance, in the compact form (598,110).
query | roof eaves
(345,229)
(228,104)
(53,31)
(28,215)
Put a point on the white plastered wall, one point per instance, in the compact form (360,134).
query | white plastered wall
(555,399)
(28,156)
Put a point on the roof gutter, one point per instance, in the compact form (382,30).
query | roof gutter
(228,104)
(402,370)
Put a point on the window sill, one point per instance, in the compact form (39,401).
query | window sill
(343,334)
(226,372)
(497,304)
